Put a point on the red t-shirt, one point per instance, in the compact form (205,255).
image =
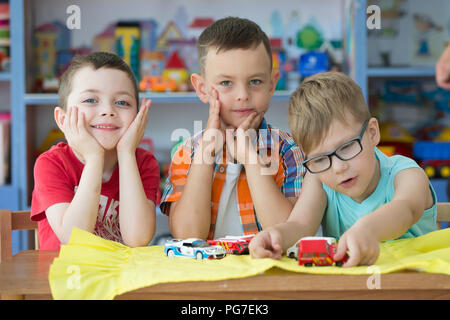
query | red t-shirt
(57,174)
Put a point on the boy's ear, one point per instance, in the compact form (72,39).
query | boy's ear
(374,131)
(59,115)
(199,85)
(274,77)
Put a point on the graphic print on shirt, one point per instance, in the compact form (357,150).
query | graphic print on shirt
(107,224)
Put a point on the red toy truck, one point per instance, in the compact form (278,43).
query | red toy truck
(233,244)
(319,251)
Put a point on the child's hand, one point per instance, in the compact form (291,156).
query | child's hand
(213,138)
(363,247)
(266,244)
(133,135)
(77,135)
(239,141)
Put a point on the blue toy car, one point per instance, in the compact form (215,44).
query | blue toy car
(193,248)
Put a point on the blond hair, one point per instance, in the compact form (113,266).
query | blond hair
(318,101)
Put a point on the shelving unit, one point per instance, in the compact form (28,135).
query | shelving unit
(15,195)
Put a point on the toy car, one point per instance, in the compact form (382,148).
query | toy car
(157,83)
(193,248)
(317,251)
(233,244)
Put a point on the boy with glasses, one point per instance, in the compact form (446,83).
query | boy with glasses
(357,193)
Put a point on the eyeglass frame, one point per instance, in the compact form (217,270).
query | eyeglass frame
(333,153)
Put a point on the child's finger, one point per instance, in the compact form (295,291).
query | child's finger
(354,255)
(248,121)
(341,248)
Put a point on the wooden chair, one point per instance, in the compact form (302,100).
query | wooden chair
(20,220)
(14,220)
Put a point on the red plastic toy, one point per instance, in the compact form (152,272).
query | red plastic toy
(233,244)
(318,251)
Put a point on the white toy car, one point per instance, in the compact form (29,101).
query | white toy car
(193,248)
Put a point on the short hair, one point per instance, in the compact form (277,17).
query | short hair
(318,101)
(231,33)
(95,60)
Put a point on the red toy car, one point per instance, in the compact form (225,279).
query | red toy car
(319,251)
(233,244)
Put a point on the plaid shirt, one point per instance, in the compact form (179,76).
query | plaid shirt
(285,167)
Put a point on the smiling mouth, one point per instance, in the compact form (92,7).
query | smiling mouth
(105,127)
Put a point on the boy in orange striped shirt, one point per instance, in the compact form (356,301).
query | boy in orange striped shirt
(239,175)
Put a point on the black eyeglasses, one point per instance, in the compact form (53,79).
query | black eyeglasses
(346,151)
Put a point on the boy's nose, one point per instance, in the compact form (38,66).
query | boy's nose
(107,110)
(242,94)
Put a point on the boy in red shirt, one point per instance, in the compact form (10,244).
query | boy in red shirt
(78,183)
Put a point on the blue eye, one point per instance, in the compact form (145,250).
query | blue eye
(122,103)
(255,82)
(90,100)
(226,83)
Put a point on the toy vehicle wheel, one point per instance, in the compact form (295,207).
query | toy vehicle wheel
(339,263)
(308,264)
(199,255)
(170,253)
(444,171)
(292,255)
(430,171)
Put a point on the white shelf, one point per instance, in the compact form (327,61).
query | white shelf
(400,72)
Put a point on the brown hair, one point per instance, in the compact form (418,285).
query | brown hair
(318,101)
(95,60)
(231,33)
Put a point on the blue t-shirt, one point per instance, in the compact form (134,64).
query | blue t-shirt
(342,211)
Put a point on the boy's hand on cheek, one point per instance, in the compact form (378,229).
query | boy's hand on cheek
(213,137)
(133,135)
(78,137)
(363,247)
(240,141)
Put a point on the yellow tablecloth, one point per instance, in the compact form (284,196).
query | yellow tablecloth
(90,267)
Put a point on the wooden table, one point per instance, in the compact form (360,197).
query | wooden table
(25,276)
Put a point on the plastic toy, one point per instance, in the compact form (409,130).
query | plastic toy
(157,83)
(176,69)
(318,251)
(312,62)
(233,244)
(128,43)
(193,248)
(434,156)
(170,32)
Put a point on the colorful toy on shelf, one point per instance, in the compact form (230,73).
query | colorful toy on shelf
(319,251)
(171,32)
(49,40)
(233,244)
(395,140)
(279,62)
(176,69)
(54,136)
(197,26)
(434,157)
(152,63)
(312,62)
(193,248)
(105,41)
(128,44)
(158,84)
